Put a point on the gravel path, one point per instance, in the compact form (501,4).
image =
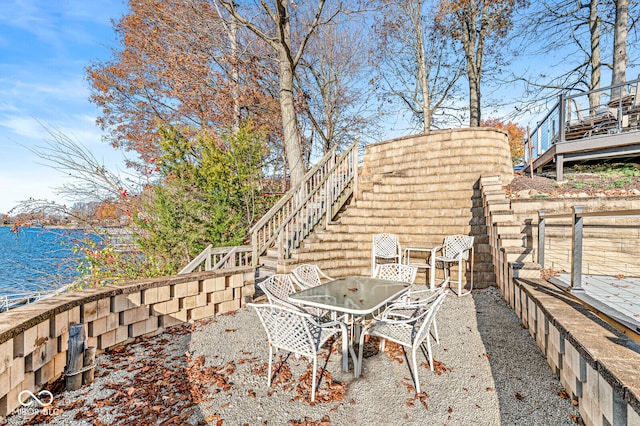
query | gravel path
(490,373)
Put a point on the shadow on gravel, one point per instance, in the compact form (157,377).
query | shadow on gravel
(528,391)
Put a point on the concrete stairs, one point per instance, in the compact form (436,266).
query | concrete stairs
(421,188)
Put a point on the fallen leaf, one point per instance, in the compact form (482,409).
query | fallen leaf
(352,289)
(519,396)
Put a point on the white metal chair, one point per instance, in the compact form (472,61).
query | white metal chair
(297,332)
(385,246)
(278,287)
(456,249)
(415,300)
(307,276)
(396,272)
(410,332)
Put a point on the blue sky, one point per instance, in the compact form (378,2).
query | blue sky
(45,46)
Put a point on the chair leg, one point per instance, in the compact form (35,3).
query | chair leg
(270,362)
(429,353)
(459,278)
(415,368)
(313,385)
(435,331)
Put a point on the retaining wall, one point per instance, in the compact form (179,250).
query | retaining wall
(34,338)
(596,363)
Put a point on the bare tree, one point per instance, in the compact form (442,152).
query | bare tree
(416,63)
(620,32)
(330,78)
(282,26)
(477,25)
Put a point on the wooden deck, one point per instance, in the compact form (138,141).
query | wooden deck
(591,147)
(571,133)
(616,296)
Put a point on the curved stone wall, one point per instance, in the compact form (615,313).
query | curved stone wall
(34,338)
(422,188)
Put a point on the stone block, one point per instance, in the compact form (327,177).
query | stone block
(133,315)
(97,327)
(214,284)
(188,302)
(228,306)
(59,324)
(217,297)
(228,294)
(106,340)
(25,342)
(59,363)
(237,280)
(151,324)
(74,316)
(169,320)
(149,296)
(113,321)
(164,293)
(104,306)
(9,401)
(249,290)
(633,417)
(16,373)
(201,299)
(122,334)
(41,355)
(89,312)
(193,288)
(137,328)
(605,399)
(6,355)
(45,373)
(63,342)
(179,290)
(5,381)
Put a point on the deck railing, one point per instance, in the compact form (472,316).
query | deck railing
(610,110)
(611,248)
(302,209)
(312,203)
(213,258)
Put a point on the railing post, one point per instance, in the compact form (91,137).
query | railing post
(561,115)
(355,173)
(541,235)
(576,250)
(207,261)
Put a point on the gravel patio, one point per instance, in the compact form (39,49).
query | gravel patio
(489,371)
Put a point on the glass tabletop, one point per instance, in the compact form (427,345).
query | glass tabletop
(351,295)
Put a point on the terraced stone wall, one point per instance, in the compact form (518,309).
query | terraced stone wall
(597,364)
(34,338)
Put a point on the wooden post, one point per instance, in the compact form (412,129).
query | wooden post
(75,353)
(89,360)
(530,152)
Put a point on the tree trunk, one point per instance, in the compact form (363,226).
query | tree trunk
(291,132)
(621,29)
(594,30)
(423,74)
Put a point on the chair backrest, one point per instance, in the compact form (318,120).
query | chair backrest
(427,318)
(396,272)
(386,245)
(307,275)
(277,288)
(287,329)
(457,246)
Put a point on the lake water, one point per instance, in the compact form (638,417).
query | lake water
(36,259)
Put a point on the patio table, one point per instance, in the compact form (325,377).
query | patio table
(352,295)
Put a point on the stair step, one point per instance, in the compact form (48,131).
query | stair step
(525,270)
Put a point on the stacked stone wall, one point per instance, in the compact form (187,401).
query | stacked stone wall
(34,337)
(595,362)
